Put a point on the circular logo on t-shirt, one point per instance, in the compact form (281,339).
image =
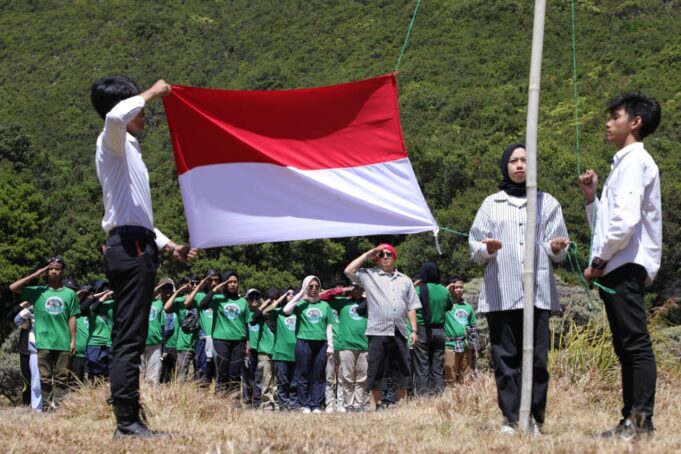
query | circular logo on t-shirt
(353,312)
(254,328)
(152,314)
(313,315)
(461,316)
(209,313)
(232,311)
(290,322)
(54,305)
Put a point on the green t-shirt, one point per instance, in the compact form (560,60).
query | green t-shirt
(52,310)
(313,318)
(349,331)
(172,340)
(229,318)
(82,335)
(101,324)
(205,315)
(156,322)
(285,337)
(440,302)
(457,319)
(185,341)
(265,340)
(253,333)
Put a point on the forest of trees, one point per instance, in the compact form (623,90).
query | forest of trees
(463,96)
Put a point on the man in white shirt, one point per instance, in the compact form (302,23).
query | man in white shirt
(626,253)
(131,251)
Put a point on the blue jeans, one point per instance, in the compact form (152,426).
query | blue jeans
(286,385)
(97,361)
(311,373)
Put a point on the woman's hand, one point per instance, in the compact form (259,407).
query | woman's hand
(492,245)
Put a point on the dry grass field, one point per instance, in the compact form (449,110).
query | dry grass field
(465,419)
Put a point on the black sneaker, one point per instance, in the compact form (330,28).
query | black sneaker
(627,431)
(381,407)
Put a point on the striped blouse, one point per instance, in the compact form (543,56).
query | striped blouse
(503,217)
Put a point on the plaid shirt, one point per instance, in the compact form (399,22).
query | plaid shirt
(389,297)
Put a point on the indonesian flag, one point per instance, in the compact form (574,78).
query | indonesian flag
(266,166)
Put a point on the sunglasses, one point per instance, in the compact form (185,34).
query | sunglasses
(384,254)
(313,286)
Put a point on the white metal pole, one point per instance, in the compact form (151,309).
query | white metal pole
(530,225)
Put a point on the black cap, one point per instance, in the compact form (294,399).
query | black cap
(69,283)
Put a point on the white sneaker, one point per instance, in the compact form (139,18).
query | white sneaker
(329,409)
(341,410)
(507,429)
(306,410)
(316,410)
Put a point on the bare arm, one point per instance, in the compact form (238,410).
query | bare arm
(72,331)
(168,306)
(356,264)
(18,286)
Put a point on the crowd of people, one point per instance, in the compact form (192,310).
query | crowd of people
(384,335)
(280,350)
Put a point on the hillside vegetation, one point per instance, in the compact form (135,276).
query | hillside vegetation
(463,95)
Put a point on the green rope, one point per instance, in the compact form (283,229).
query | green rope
(456,232)
(574,83)
(406,38)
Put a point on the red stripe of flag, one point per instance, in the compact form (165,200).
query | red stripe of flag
(348,125)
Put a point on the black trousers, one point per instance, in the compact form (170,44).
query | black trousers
(629,325)
(168,359)
(429,361)
(388,356)
(251,393)
(130,263)
(506,337)
(25,370)
(229,362)
(77,369)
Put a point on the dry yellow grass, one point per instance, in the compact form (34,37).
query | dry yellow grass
(466,418)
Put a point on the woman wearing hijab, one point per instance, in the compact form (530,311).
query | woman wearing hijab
(497,241)
(230,342)
(314,334)
(429,351)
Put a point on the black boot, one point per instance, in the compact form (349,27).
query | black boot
(131,422)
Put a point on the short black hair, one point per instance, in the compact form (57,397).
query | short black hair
(456,278)
(109,91)
(212,272)
(637,105)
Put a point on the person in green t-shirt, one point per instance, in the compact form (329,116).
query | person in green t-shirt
(251,389)
(230,340)
(429,351)
(264,373)
(352,344)
(100,321)
(151,358)
(460,334)
(314,334)
(204,363)
(186,339)
(284,354)
(55,308)
(77,362)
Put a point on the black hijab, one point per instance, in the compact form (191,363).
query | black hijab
(226,275)
(429,274)
(507,185)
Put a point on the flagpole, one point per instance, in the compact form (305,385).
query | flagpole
(531,225)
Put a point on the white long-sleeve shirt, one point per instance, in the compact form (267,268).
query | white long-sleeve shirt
(122,172)
(503,217)
(628,224)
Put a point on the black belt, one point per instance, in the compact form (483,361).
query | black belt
(434,325)
(132,230)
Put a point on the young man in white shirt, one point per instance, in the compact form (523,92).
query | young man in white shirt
(131,251)
(626,253)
